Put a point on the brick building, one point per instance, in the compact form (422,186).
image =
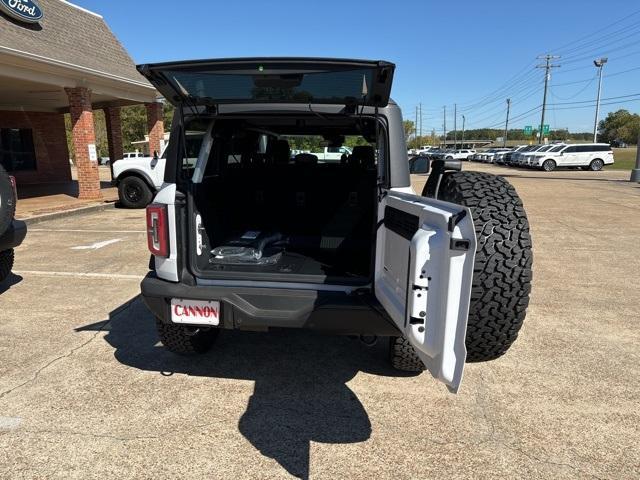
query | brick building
(64,59)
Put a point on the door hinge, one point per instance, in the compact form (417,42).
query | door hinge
(418,313)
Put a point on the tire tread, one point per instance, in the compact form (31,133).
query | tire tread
(503,266)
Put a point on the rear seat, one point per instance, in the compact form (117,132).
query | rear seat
(329,205)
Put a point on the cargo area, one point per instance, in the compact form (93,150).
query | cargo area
(266,211)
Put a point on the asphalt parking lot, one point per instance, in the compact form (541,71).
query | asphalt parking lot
(86,390)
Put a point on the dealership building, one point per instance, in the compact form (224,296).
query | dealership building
(58,58)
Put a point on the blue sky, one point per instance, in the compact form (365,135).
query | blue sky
(473,53)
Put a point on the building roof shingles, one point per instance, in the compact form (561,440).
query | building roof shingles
(71,35)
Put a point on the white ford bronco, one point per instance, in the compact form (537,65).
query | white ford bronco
(249,238)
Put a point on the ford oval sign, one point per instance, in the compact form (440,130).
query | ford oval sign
(27,11)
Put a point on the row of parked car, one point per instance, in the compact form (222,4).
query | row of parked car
(587,156)
(439,153)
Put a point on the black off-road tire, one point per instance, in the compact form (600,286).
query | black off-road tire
(403,356)
(502,272)
(133,192)
(7,201)
(6,264)
(184,340)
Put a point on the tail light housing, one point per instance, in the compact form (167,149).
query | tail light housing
(158,230)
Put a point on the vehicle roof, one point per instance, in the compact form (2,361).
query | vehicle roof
(585,144)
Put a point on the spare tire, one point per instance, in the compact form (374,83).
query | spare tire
(7,201)
(502,271)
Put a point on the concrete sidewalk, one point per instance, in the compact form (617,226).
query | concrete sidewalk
(44,200)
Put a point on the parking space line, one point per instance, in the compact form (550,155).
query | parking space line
(114,276)
(97,245)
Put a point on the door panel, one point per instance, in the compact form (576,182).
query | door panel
(424,268)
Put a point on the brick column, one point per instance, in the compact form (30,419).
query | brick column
(83,135)
(114,133)
(155,125)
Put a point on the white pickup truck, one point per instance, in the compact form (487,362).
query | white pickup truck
(332,154)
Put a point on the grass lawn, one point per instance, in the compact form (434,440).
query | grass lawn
(625,159)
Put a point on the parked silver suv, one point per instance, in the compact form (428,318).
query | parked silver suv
(249,238)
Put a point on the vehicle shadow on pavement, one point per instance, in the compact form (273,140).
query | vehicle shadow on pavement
(300,393)
(9,282)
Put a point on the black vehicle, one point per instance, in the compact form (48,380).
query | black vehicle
(12,231)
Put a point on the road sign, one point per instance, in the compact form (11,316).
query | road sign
(528,130)
(545,129)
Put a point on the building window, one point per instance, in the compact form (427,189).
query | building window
(16,149)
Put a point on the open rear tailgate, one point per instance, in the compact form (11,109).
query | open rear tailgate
(273,80)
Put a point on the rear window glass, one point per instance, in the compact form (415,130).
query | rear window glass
(321,87)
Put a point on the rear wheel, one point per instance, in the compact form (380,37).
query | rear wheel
(134,192)
(186,340)
(549,165)
(502,270)
(7,201)
(596,165)
(6,264)
(403,356)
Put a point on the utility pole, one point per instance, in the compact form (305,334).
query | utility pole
(635,172)
(420,119)
(415,129)
(599,64)
(547,75)
(463,122)
(455,126)
(506,124)
(444,126)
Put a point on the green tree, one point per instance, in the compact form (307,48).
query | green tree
(620,125)
(409,130)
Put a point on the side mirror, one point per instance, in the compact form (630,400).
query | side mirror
(420,165)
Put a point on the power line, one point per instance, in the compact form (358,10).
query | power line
(579,92)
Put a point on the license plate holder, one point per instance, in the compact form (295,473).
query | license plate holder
(195,312)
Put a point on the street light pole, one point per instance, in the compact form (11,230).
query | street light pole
(599,64)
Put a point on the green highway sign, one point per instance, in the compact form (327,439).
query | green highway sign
(528,130)
(545,129)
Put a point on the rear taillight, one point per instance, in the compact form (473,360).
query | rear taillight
(157,230)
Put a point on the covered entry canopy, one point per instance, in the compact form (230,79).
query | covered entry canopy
(67,62)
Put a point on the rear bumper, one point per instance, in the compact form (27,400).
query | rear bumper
(252,308)
(14,235)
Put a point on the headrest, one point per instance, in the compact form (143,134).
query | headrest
(281,151)
(363,155)
(306,159)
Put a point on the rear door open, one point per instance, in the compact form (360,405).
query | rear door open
(273,80)
(424,267)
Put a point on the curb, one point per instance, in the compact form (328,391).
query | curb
(69,213)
